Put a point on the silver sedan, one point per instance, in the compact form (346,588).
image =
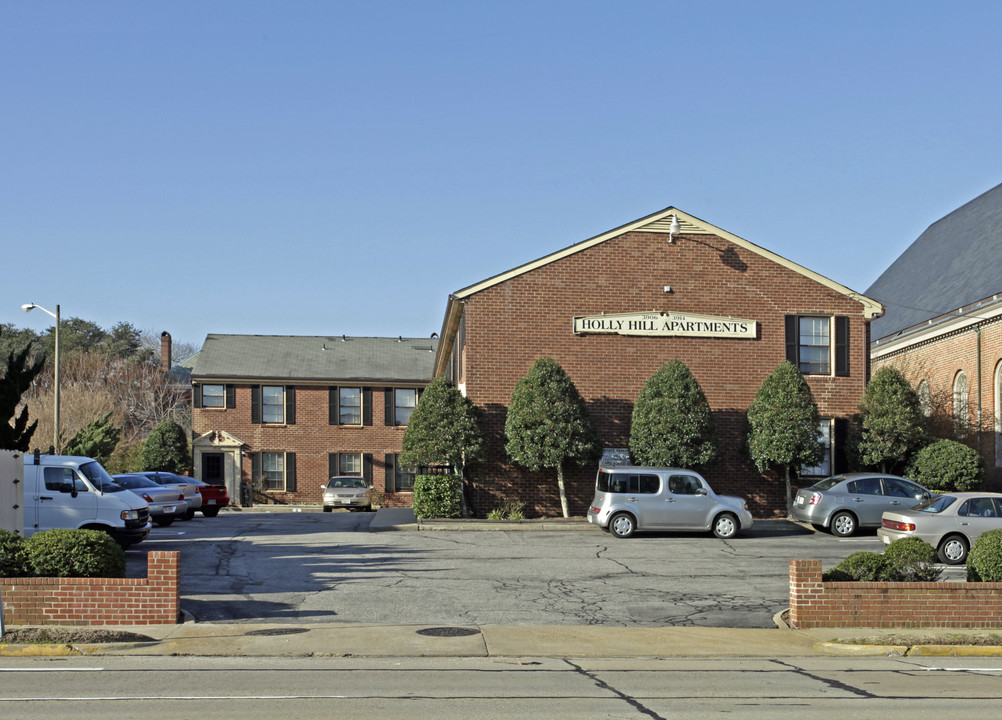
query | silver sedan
(950,523)
(845,503)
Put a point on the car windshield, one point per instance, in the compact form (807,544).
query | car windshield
(828,483)
(347,483)
(936,504)
(135,482)
(100,478)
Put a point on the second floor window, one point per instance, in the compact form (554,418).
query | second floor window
(213,396)
(350,406)
(404,402)
(273,404)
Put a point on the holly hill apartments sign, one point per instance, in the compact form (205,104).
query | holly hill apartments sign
(662,324)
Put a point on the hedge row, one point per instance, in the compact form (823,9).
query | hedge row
(61,553)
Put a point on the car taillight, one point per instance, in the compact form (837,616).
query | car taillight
(180,496)
(815,498)
(895,525)
(147,498)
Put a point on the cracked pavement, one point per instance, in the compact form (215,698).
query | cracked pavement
(325,567)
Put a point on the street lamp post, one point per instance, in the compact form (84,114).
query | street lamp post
(28,307)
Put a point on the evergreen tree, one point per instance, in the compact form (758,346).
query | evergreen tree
(444,429)
(15,381)
(783,425)
(548,424)
(97,440)
(672,425)
(165,449)
(893,423)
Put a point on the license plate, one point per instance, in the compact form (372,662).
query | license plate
(346,501)
(169,509)
(887,540)
(800,500)
(211,502)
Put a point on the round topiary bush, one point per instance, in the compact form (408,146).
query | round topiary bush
(947,466)
(984,561)
(75,553)
(13,556)
(912,560)
(861,567)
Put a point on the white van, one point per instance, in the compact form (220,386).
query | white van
(64,491)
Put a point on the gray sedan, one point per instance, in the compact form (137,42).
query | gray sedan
(950,523)
(167,504)
(845,503)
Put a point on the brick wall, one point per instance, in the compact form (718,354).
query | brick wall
(939,360)
(153,600)
(814,603)
(511,324)
(311,438)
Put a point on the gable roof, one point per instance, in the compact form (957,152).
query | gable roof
(315,358)
(950,266)
(658,222)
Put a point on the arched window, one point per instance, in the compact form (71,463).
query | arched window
(960,404)
(925,398)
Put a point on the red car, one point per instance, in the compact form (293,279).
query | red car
(214,497)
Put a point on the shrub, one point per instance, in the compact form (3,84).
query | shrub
(984,561)
(947,466)
(166,449)
(861,567)
(75,553)
(13,556)
(507,510)
(437,496)
(912,560)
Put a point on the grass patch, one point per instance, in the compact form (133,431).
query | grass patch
(932,639)
(69,636)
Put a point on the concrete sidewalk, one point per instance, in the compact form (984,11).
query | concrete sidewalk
(329,640)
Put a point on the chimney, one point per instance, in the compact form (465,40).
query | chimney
(165,363)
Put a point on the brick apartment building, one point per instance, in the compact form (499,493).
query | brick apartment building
(943,324)
(612,309)
(282,414)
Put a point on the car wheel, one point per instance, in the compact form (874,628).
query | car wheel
(622,525)
(725,526)
(843,524)
(953,550)
(210,512)
(164,522)
(189,515)
(328,509)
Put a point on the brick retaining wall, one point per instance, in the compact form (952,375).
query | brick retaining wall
(814,603)
(153,600)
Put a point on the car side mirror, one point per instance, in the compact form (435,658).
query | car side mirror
(701,491)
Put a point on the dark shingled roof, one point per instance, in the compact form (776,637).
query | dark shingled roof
(952,264)
(285,357)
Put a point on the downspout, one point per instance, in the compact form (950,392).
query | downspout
(981,434)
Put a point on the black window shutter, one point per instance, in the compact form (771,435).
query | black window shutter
(290,472)
(367,467)
(255,403)
(332,406)
(388,484)
(331,464)
(196,396)
(842,346)
(231,397)
(367,406)
(256,463)
(841,460)
(290,405)
(792,340)
(388,418)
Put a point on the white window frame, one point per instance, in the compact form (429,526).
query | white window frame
(828,332)
(400,471)
(214,399)
(925,398)
(273,478)
(397,407)
(824,468)
(341,405)
(341,464)
(961,403)
(269,407)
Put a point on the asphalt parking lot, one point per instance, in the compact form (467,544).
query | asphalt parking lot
(312,567)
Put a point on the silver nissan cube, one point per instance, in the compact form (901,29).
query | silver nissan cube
(631,499)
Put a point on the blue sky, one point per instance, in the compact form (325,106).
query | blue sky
(294,167)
